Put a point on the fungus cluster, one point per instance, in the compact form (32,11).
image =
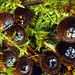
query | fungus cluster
(65,49)
(66,46)
(50,62)
(14,29)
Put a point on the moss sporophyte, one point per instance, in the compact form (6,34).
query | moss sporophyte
(27,46)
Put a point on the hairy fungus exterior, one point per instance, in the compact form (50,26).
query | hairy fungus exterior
(23,16)
(6,20)
(24,66)
(50,62)
(17,34)
(66,29)
(66,53)
(9,58)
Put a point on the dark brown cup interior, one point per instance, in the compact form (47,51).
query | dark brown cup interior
(23,66)
(9,57)
(66,29)
(50,62)
(17,34)
(66,52)
(6,20)
(23,16)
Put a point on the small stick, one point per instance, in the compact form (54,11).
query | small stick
(32,57)
(50,46)
(32,54)
(32,51)
(29,3)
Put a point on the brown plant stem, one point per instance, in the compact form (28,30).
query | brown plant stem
(32,54)
(32,51)
(29,3)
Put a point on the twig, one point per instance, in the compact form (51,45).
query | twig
(33,54)
(50,46)
(32,51)
(32,57)
(32,2)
